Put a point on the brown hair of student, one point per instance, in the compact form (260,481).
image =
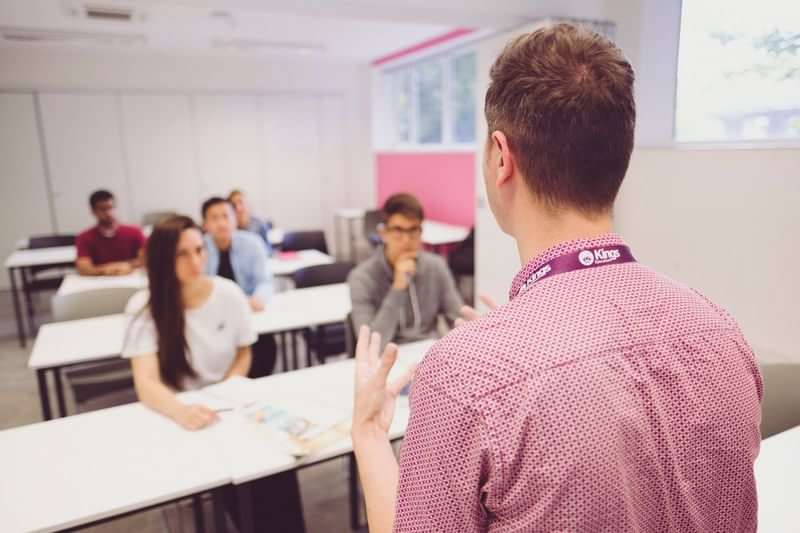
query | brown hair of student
(404,204)
(165,305)
(563,96)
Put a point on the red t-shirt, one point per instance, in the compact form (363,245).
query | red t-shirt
(123,246)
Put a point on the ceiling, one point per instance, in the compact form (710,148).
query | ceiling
(358,30)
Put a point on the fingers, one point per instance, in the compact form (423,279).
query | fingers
(374,348)
(460,322)
(488,301)
(387,362)
(405,378)
(469,313)
(362,346)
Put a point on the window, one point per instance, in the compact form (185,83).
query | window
(738,71)
(431,102)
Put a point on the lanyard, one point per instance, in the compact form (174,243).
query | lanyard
(582,260)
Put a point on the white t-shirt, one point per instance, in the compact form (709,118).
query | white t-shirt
(214,331)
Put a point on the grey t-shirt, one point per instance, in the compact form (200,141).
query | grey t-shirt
(403,315)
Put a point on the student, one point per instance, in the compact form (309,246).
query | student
(109,248)
(190,330)
(246,221)
(603,396)
(240,257)
(401,290)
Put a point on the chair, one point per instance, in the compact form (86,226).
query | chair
(372,219)
(32,279)
(780,406)
(105,384)
(152,218)
(304,240)
(328,339)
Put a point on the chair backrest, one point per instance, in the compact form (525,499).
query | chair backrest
(317,275)
(154,217)
(371,221)
(780,406)
(350,335)
(305,240)
(50,241)
(89,304)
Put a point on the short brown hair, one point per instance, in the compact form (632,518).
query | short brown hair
(563,96)
(403,204)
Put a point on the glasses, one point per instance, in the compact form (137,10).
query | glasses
(396,231)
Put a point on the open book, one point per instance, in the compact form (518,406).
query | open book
(301,428)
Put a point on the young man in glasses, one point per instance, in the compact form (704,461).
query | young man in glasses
(401,290)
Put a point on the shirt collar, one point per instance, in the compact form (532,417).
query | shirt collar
(563,248)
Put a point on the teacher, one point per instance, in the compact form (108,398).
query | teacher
(602,396)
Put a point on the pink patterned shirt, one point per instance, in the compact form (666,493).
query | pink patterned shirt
(605,399)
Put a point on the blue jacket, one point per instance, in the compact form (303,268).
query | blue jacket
(249,262)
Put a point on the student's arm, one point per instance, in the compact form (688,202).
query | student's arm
(263,279)
(450,302)
(86,267)
(157,396)
(241,363)
(384,319)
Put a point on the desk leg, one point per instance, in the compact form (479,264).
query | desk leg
(244,499)
(197,508)
(17,310)
(293,334)
(355,500)
(284,351)
(62,404)
(220,520)
(44,394)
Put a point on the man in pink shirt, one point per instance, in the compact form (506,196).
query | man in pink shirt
(108,248)
(603,396)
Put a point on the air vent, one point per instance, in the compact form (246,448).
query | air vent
(119,14)
(31,35)
(275,46)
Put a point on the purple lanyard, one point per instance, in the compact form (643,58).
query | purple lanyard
(582,260)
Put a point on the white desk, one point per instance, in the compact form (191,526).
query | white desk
(75,283)
(128,458)
(106,463)
(62,344)
(777,473)
(288,264)
(438,234)
(40,257)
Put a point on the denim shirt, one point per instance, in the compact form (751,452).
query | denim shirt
(249,262)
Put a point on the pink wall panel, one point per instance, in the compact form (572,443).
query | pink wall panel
(443,182)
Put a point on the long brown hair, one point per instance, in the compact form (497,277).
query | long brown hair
(165,305)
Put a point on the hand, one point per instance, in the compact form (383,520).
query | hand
(469,314)
(404,267)
(374,403)
(195,417)
(256,304)
(119,268)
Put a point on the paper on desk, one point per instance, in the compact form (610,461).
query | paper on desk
(236,391)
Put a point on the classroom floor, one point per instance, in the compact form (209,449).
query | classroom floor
(324,487)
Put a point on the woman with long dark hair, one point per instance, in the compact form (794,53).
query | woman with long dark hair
(190,330)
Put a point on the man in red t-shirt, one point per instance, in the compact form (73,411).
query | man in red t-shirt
(109,248)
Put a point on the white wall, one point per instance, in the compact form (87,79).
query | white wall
(166,131)
(725,222)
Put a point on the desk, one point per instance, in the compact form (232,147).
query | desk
(117,461)
(22,259)
(329,385)
(289,263)
(777,473)
(63,344)
(438,234)
(109,463)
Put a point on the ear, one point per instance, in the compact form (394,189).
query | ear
(503,161)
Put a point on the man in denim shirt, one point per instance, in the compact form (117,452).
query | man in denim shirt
(240,257)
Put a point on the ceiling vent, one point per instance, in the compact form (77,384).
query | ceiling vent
(113,13)
(37,35)
(267,46)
